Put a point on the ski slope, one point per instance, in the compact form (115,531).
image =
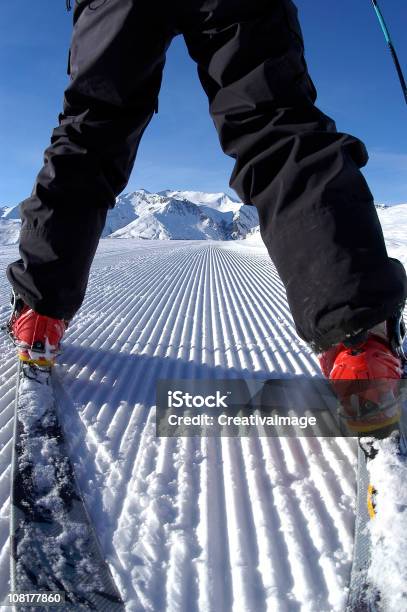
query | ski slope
(193,524)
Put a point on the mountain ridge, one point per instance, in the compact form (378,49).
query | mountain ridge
(169,215)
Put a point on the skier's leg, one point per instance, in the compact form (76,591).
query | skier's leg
(116,61)
(317,216)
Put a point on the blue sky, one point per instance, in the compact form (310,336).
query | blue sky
(346,54)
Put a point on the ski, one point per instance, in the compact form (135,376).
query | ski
(54,547)
(360,599)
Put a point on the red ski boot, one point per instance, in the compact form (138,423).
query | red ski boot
(36,336)
(364,373)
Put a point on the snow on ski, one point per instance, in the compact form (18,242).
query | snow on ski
(53,545)
(387,573)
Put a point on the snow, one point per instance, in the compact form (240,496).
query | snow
(9,232)
(51,480)
(179,215)
(9,225)
(171,220)
(168,215)
(188,523)
(227,524)
(42,450)
(394,224)
(218,201)
(388,530)
(182,215)
(9,212)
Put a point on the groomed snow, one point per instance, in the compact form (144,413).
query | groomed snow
(188,524)
(191,524)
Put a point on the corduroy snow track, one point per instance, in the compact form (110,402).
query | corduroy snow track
(194,524)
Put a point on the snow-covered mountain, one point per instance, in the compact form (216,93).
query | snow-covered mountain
(164,218)
(9,225)
(179,215)
(167,215)
(10,212)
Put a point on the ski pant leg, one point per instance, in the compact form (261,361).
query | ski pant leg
(317,216)
(116,61)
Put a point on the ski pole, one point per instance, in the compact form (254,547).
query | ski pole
(391,47)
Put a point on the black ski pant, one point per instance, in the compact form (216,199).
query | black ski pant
(317,216)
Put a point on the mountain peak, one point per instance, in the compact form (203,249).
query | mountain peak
(179,215)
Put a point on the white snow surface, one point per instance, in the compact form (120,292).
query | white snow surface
(9,231)
(189,524)
(388,530)
(9,225)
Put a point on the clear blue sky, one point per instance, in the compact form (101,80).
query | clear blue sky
(346,54)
